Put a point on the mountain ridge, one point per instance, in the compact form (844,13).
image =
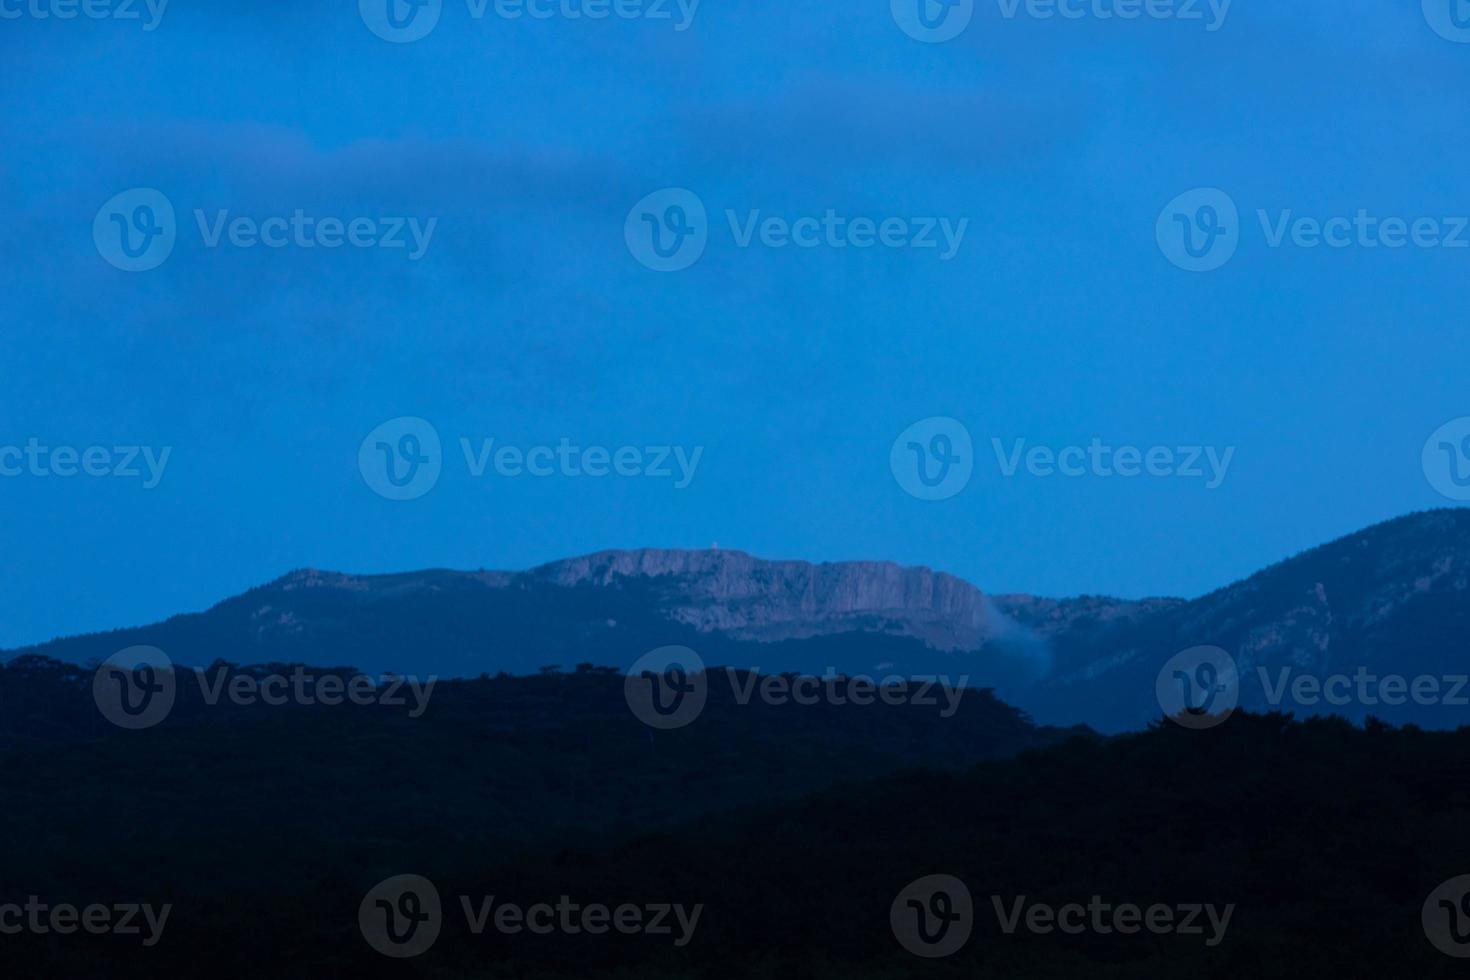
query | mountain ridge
(1395,595)
(836,588)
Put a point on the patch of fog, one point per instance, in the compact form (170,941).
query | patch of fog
(1030,653)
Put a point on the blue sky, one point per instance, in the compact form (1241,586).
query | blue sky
(527,320)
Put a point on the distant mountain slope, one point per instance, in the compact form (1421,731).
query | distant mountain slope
(1394,598)
(607,608)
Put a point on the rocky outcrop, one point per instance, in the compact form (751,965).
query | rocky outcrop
(750,598)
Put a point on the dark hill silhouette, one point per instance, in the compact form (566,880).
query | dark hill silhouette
(490,765)
(265,829)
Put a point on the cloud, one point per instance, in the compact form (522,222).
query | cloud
(843,124)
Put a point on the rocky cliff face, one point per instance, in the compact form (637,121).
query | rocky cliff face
(605,609)
(749,598)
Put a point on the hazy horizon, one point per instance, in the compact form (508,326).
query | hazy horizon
(987,590)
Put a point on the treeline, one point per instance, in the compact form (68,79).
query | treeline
(792,827)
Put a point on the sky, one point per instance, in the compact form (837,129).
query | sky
(793,381)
